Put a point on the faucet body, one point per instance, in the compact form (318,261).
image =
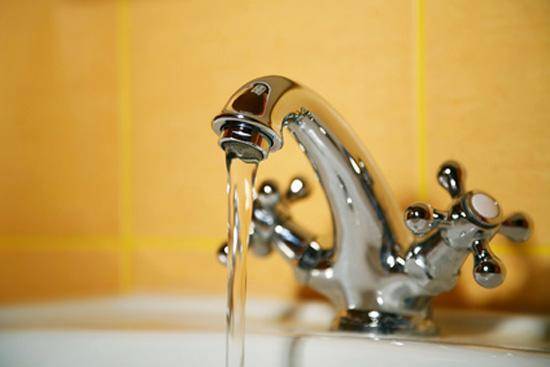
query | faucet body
(372,282)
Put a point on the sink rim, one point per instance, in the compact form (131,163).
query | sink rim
(150,312)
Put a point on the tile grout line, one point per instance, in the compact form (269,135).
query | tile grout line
(203,244)
(420,97)
(125,142)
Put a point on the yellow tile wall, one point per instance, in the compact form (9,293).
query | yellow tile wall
(111,176)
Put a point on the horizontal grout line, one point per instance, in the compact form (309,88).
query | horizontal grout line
(41,242)
(38,242)
(512,248)
(191,243)
(207,244)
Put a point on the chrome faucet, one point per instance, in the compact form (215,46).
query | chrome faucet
(374,285)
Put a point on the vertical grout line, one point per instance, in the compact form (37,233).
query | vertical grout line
(420,96)
(125,143)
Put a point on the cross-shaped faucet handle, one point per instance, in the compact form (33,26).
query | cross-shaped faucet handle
(472,220)
(268,197)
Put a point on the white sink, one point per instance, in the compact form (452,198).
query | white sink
(171,331)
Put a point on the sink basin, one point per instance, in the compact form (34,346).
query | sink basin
(189,331)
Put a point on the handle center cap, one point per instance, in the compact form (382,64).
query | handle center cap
(485,206)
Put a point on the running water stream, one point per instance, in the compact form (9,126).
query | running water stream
(240,188)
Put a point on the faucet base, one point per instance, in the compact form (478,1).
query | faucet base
(377,322)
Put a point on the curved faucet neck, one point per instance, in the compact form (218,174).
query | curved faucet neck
(364,213)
